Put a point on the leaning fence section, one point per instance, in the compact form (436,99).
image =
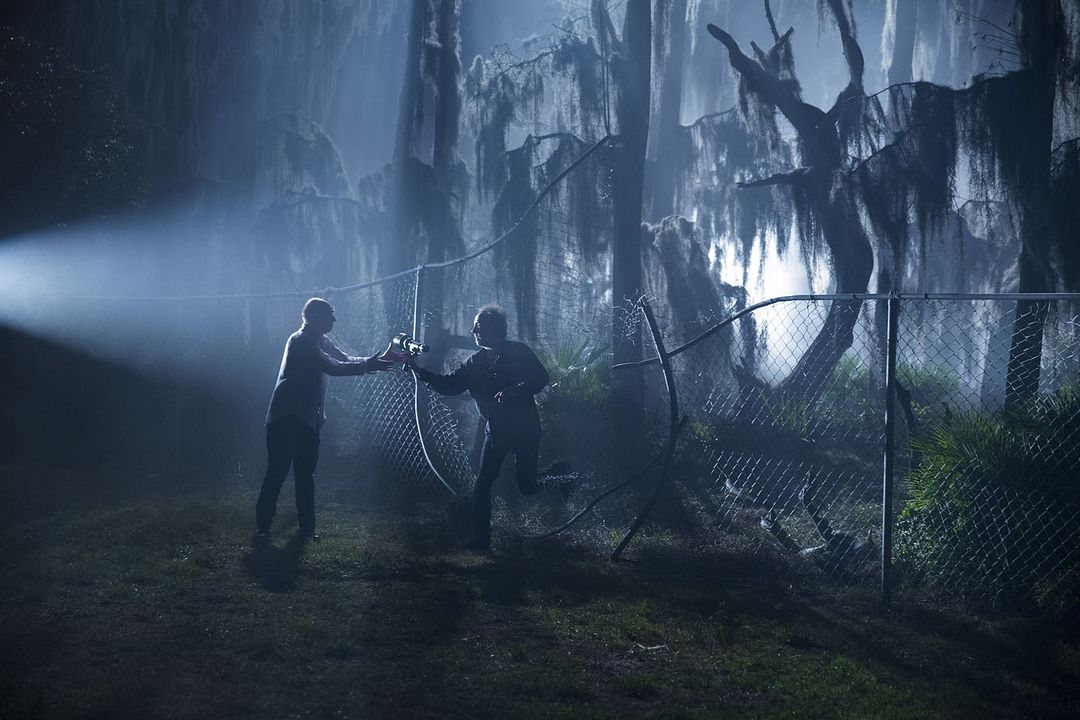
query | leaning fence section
(786,449)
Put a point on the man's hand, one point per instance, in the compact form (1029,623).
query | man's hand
(385,361)
(508,394)
(391,358)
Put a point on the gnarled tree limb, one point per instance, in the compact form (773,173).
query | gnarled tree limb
(804,117)
(772,23)
(852,54)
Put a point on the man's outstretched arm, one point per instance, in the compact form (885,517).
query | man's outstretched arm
(333,361)
(455,383)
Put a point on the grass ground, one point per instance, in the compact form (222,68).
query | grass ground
(167,608)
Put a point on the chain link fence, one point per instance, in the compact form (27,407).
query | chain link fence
(988,498)
(776,463)
(787,440)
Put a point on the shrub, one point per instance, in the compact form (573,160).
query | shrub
(852,398)
(930,386)
(575,406)
(855,397)
(994,512)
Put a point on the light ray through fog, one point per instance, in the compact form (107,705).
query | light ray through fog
(110,290)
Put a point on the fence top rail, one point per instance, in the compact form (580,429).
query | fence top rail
(856,297)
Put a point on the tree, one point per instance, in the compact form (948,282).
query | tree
(824,204)
(669,38)
(1040,43)
(423,204)
(904,25)
(633,63)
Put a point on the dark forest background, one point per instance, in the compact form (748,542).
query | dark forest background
(869,145)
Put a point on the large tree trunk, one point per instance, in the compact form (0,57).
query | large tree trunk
(395,250)
(1040,46)
(441,215)
(632,114)
(903,51)
(424,199)
(669,51)
(853,263)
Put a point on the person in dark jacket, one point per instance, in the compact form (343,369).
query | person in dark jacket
(502,377)
(296,416)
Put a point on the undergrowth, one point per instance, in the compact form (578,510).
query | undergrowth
(168,607)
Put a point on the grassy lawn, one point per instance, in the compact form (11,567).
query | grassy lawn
(168,608)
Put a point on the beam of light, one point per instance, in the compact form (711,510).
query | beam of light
(769,274)
(66,286)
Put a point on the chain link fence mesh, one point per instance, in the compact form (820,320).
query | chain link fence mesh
(987,454)
(772,464)
(989,503)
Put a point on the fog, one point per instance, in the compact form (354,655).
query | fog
(239,160)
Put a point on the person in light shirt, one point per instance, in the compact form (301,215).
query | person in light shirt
(296,413)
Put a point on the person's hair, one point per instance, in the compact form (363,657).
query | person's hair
(316,307)
(495,318)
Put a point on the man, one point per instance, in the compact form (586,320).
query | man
(296,413)
(502,377)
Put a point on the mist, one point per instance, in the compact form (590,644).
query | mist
(801,276)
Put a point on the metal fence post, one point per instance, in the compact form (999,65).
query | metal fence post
(892,332)
(418,301)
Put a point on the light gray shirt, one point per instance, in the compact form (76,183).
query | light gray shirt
(301,385)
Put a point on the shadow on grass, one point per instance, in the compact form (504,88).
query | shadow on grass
(275,568)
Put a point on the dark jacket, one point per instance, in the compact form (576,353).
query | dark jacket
(513,368)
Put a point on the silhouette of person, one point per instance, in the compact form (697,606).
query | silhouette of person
(502,377)
(296,413)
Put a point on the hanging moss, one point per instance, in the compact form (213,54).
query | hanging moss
(717,152)
(559,90)
(498,101)
(516,257)
(691,293)
(529,170)
(558,101)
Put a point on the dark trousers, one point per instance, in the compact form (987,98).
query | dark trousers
(289,442)
(497,445)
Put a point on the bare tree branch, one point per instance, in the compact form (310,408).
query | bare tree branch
(709,116)
(556,136)
(977,18)
(762,58)
(604,26)
(772,23)
(852,52)
(770,60)
(804,117)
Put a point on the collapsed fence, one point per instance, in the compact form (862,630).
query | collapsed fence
(772,426)
(967,477)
